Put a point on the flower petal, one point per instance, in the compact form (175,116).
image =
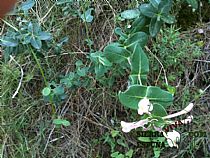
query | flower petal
(172,138)
(144,106)
(189,108)
(128,126)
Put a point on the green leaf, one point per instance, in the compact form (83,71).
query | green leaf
(87,17)
(25,6)
(30,27)
(59,90)
(26,39)
(119,32)
(171,89)
(155,3)
(129,154)
(100,70)
(159,110)
(8,42)
(46,91)
(98,57)
(82,71)
(104,61)
(138,24)
(116,54)
(168,19)
(144,139)
(36,42)
(148,10)
(79,63)
(44,36)
(122,143)
(130,14)
(61,122)
(60,2)
(115,154)
(131,97)
(154,26)
(137,38)
(139,66)
(114,133)
(193,3)
(165,6)
(157,152)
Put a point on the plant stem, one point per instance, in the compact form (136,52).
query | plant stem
(45,81)
(39,65)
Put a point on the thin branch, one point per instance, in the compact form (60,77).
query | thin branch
(21,79)
(164,71)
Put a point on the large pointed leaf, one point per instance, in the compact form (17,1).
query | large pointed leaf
(137,38)
(148,10)
(131,97)
(116,54)
(154,26)
(139,66)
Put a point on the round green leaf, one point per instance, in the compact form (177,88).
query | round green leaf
(59,90)
(46,91)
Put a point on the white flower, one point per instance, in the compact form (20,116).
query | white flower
(172,138)
(185,111)
(144,106)
(127,127)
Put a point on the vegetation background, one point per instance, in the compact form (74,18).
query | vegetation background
(93,113)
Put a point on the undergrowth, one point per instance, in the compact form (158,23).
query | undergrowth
(61,109)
